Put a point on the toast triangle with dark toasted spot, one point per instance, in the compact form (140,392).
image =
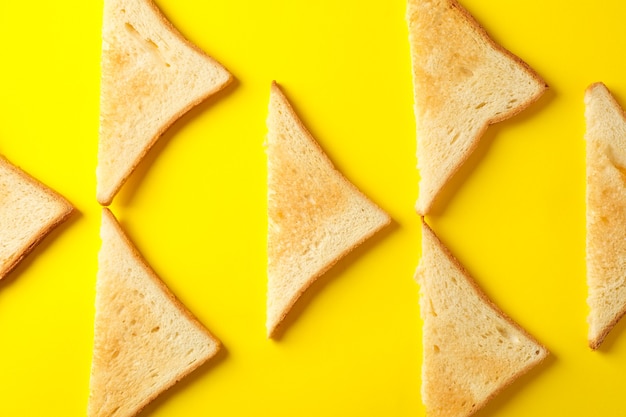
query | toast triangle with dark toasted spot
(145,339)
(151,75)
(606,212)
(315,214)
(471,349)
(463,82)
(29,211)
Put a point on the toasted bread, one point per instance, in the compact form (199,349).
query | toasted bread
(606,211)
(145,340)
(151,76)
(29,210)
(315,214)
(472,350)
(463,82)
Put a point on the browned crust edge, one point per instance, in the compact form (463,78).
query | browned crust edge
(594,343)
(454,4)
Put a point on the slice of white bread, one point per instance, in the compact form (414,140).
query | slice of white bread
(606,211)
(315,215)
(472,350)
(29,210)
(463,82)
(151,76)
(145,340)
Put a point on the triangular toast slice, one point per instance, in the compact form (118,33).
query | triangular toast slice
(315,214)
(145,340)
(29,210)
(463,82)
(606,211)
(151,76)
(472,350)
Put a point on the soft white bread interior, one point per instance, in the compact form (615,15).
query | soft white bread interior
(315,215)
(463,82)
(145,340)
(151,76)
(472,350)
(29,210)
(606,211)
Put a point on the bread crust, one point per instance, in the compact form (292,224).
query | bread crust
(156,280)
(64,210)
(595,342)
(531,72)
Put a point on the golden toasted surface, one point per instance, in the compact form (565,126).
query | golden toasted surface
(606,211)
(315,215)
(151,75)
(463,82)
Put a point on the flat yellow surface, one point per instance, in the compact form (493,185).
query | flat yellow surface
(195,208)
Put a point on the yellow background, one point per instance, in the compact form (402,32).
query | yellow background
(196,207)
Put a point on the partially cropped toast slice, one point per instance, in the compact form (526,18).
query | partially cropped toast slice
(606,211)
(151,76)
(29,210)
(315,214)
(145,340)
(472,350)
(463,82)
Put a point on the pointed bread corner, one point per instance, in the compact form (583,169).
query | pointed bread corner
(463,82)
(471,349)
(151,76)
(145,340)
(315,215)
(29,210)
(606,211)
